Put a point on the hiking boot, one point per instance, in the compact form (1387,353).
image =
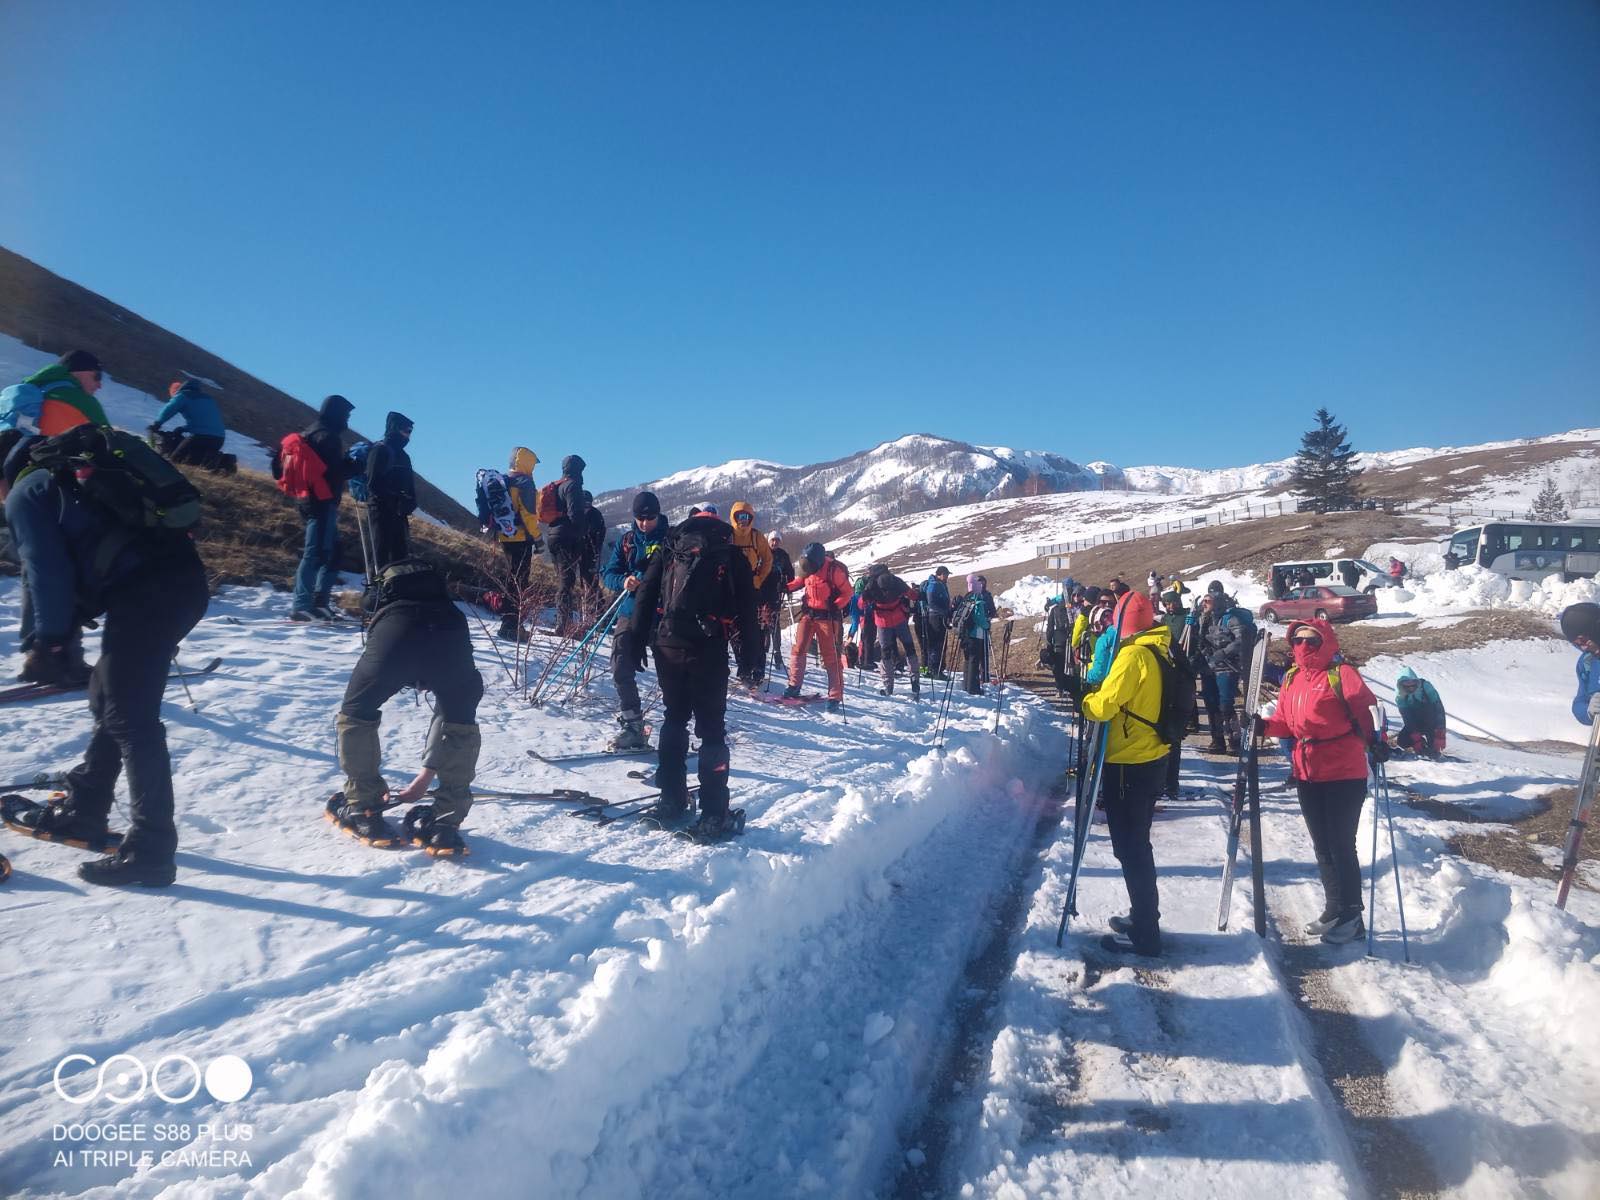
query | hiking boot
(1321,925)
(323,613)
(792,692)
(632,736)
(713,827)
(59,821)
(835,705)
(1345,929)
(1126,943)
(1216,746)
(366,824)
(916,689)
(444,839)
(54,667)
(302,616)
(129,867)
(885,691)
(671,809)
(510,630)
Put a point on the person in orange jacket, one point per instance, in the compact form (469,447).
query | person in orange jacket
(758,553)
(827,594)
(1326,707)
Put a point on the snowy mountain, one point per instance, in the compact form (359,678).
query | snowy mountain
(911,474)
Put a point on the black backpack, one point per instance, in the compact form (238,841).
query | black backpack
(1177,695)
(695,588)
(124,476)
(1058,627)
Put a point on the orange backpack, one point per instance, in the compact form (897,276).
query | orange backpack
(549,503)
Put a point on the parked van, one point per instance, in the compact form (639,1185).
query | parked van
(1355,573)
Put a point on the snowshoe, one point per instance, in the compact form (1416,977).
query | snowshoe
(666,813)
(421,827)
(367,827)
(716,828)
(56,822)
(129,867)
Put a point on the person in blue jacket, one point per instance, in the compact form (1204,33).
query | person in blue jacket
(1580,625)
(630,558)
(1421,715)
(203,432)
(936,606)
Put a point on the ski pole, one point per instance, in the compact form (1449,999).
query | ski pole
(580,675)
(1082,822)
(1581,808)
(574,652)
(509,672)
(1394,857)
(184,680)
(1372,872)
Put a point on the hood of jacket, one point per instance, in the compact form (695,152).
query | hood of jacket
(1321,658)
(714,529)
(523,460)
(572,467)
(743,506)
(1133,615)
(335,413)
(398,423)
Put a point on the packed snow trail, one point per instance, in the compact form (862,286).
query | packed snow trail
(565,1012)
(1195,1075)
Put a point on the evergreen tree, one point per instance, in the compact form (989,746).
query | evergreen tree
(1324,470)
(1549,505)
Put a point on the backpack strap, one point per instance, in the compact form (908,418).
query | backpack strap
(1336,683)
(1128,712)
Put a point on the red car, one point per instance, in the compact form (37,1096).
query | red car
(1326,602)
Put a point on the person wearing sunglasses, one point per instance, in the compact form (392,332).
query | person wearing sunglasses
(1326,707)
(59,397)
(1580,625)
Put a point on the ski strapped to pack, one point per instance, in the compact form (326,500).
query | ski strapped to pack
(1245,798)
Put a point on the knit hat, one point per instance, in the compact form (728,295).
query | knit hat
(1134,614)
(1581,620)
(774,538)
(645,506)
(1215,588)
(709,510)
(80,360)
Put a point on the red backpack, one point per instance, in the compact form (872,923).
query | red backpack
(300,470)
(549,510)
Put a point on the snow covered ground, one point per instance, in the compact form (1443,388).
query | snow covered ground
(583,1012)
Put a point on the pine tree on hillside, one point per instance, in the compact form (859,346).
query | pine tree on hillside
(1324,470)
(1549,504)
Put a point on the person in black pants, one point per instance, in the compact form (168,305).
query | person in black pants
(776,589)
(391,491)
(150,588)
(567,536)
(417,638)
(697,592)
(936,603)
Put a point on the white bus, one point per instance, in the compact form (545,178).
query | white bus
(1528,549)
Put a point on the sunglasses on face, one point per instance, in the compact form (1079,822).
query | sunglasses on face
(1309,640)
(744,518)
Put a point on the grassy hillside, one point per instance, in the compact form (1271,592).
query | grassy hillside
(54,315)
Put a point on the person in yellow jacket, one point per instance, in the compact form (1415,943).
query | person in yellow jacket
(1129,703)
(758,553)
(523,542)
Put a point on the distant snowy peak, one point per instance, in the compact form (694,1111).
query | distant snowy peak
(910,474)
(1192,481)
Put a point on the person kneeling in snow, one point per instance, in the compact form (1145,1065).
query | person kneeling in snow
(1421,715)
(417,638)
(1129,701)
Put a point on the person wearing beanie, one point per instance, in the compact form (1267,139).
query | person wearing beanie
(1580,625)
(772,600)
(1129,704)
(391,492)
(316,455)
(972,618)
(936,616)
(65,396)
(567,534)
(203,433)
(631,556)
(1227,638)
(825,591)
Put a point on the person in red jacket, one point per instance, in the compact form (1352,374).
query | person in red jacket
(1326,707)
(826,585)
(889,598)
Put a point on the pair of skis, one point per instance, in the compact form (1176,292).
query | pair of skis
(1247,798)
(35,691)
(1581,808)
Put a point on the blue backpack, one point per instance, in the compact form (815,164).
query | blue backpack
(22,403)
(356,456)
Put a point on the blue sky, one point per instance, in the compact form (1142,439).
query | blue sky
(666,234)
